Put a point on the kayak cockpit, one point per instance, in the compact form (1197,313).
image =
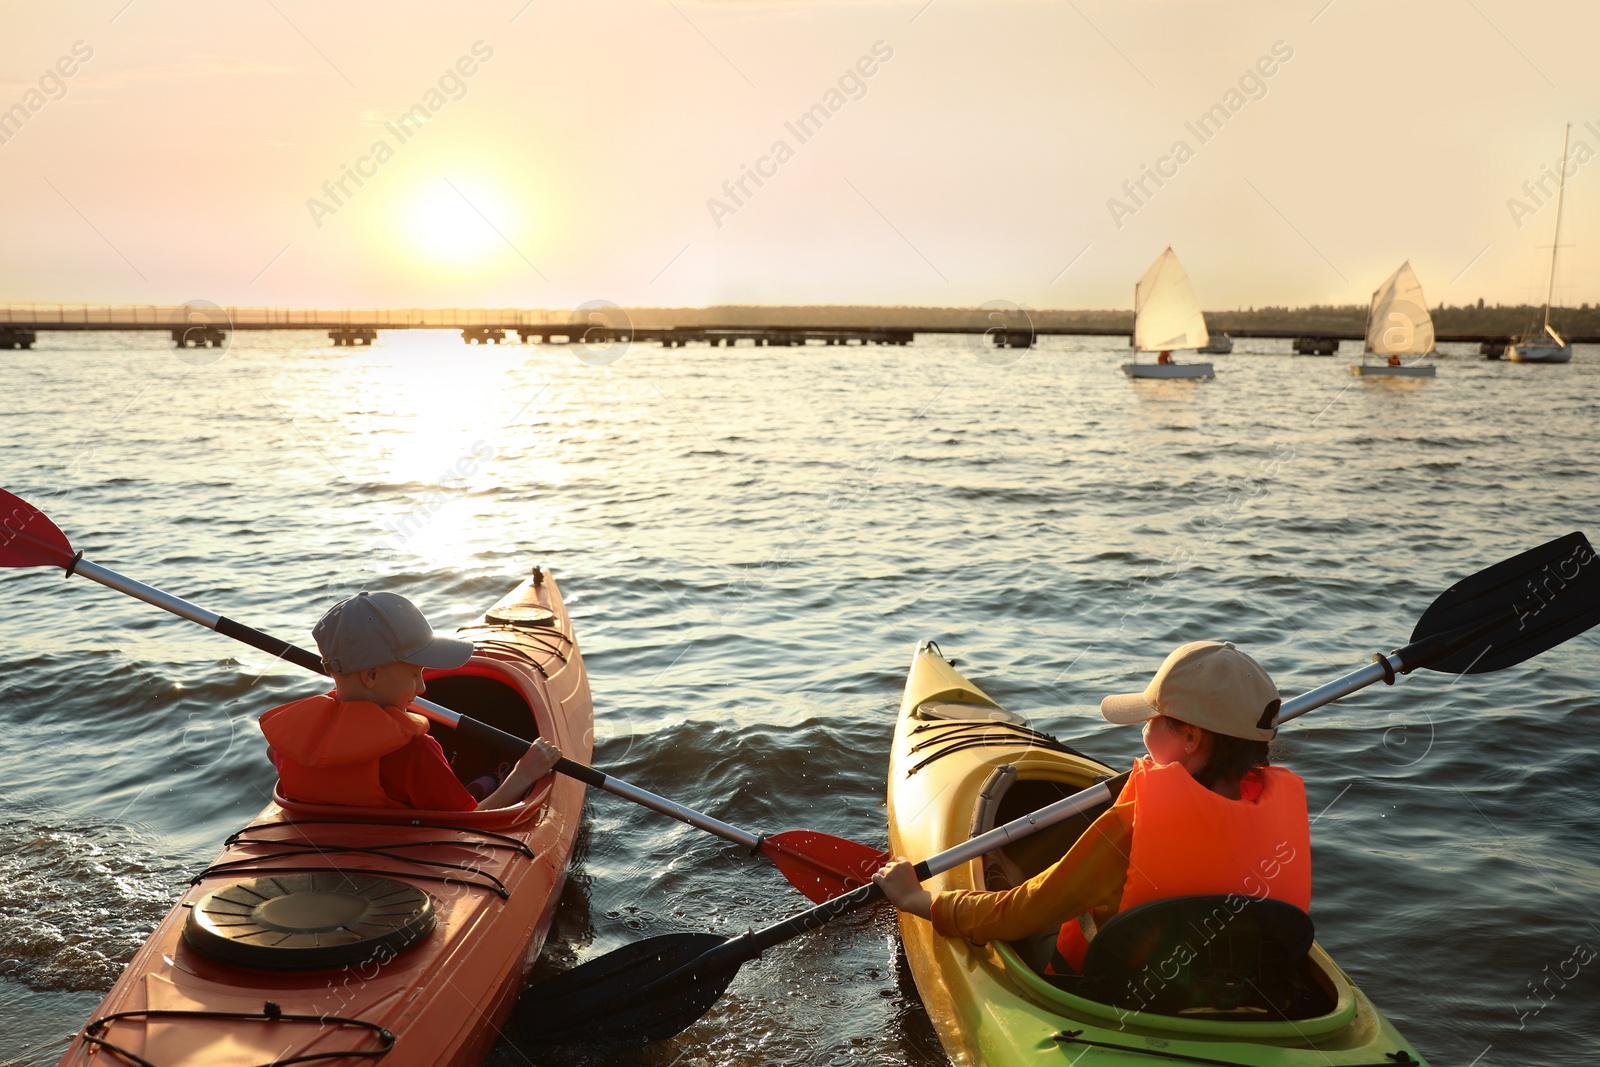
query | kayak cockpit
(484,693)
(1230,957)
(1177,966)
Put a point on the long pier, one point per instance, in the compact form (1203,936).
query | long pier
(201,324)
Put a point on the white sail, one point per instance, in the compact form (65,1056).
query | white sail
(1166,314)
(1399,323)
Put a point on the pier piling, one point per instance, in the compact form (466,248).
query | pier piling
(352,335)
(199,336)
(1316,346)
(11,337)
(1011,339)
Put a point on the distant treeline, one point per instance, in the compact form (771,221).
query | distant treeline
(1473,318)
(1351,318)
(822,315)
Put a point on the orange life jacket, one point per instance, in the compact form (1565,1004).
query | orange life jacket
(328,749)
(1189,841)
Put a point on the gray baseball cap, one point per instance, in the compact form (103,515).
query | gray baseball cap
(371,629)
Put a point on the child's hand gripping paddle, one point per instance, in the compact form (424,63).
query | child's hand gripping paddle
(819,865)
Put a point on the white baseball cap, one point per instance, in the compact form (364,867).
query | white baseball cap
(371,629)
(1204,683)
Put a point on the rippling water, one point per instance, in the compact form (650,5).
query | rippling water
(751,541)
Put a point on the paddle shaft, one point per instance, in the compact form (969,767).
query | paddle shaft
(466,726)
(650,800)
(1339,687)
(747,946)
(300,657)
(1385,667)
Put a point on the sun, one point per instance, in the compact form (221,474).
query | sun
(455,221)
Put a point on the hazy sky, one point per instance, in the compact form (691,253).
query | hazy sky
(957,152)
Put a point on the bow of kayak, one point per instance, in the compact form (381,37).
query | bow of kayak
(335,931)
(960,765)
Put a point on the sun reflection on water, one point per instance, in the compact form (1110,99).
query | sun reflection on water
(456,426)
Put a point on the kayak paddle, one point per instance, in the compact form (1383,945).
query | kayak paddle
(819,865)
(655,988)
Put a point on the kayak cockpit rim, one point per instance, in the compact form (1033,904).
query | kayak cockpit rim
(514,815)
(1072,1008)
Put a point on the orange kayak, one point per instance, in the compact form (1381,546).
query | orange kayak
(328,932)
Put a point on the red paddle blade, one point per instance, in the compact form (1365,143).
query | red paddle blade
(820,865)
(28,538)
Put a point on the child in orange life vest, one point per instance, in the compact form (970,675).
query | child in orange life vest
(359,745)
(1204,813)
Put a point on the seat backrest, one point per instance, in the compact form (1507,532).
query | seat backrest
(1204,954)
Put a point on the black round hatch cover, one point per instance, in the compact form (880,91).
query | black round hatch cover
(304,922)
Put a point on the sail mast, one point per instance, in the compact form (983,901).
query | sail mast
(1366,344)
(1561,189)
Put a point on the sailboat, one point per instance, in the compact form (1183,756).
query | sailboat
(1535,349)
(1398,324)
(1166,317)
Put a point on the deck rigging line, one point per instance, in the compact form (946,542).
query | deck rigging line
(959,735)
(253,865)
(270,1012)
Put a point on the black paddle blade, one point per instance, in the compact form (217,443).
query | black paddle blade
(1515,609)
(657,987)
(619,997)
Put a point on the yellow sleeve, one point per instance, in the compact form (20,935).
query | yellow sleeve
(1089,877)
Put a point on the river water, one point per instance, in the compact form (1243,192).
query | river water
(751,542)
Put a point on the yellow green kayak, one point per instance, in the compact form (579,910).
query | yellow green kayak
(962,765)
